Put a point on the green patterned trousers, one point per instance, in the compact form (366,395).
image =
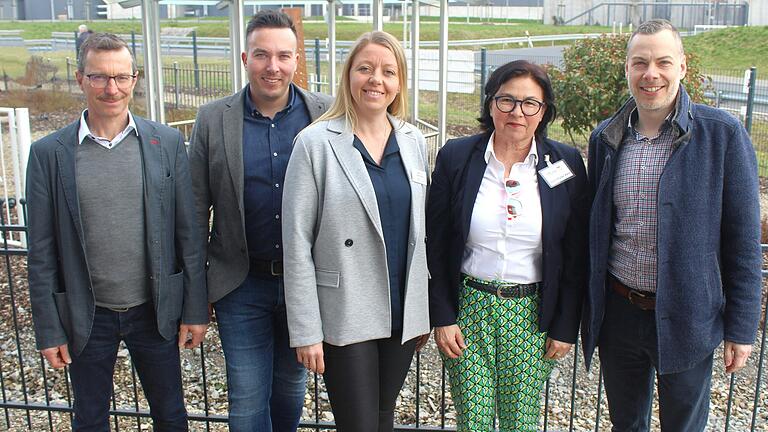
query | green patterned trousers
(503,369)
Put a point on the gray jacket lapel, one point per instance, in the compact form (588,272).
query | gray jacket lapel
(232,122)
(65,159)
(354,168)
(409,154)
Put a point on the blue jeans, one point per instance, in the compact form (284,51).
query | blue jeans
(266,383)
(629,358)
(156,360)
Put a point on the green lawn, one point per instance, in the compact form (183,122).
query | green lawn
(346,30)
(733,48)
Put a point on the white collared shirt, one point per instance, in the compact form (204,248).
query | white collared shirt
(498,248)
(85,131)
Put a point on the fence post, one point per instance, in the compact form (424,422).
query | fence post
(5,80)
(69,76)
(176,82)
(750,99)
(77,54)
(483,74)
(194,58)
(133,43)
(317,64)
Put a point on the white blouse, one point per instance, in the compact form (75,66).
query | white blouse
(504,240)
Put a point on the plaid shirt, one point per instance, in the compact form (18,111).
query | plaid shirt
(632,257)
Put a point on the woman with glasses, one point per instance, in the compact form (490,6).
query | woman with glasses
(353,229)
(506,247)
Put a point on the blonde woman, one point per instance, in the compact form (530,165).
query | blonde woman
(356,272)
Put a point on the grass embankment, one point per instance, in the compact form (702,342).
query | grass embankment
(731,48)
(345,29)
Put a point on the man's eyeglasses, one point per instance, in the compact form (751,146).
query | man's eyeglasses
(101,80)
(529,106)
(514,205)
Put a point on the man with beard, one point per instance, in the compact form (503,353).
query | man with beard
(239,153)
(112,252)
(674,242)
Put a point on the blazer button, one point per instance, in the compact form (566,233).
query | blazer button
(348,243)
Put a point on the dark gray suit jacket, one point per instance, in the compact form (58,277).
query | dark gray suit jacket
(59,281)
(216,161)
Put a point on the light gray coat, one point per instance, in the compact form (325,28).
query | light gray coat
(336,280)
(216,163)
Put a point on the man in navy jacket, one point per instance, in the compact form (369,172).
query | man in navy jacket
(674,242)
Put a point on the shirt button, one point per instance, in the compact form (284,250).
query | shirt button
(642,167)
(277,246)
(277,216)
(277,185)
(274,154)
(273,125)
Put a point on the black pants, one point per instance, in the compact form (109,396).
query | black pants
(363,381)
(629,358)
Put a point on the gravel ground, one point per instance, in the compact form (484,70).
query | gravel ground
(431,387)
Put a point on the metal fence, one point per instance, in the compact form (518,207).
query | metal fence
(34,396)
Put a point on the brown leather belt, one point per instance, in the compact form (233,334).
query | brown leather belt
(642,299)
(501,290)
(266,267)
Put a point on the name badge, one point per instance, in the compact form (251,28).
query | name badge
(556,173)
(419,176)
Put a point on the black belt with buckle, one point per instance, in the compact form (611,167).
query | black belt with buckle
(645,300)
(267,267)
(502,289)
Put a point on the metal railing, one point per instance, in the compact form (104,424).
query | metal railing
(34,396)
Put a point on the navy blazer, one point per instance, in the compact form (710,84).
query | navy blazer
(59,282)
(459,170)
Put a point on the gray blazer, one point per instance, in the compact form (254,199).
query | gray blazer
(336,281)
(59,282)
(216,161)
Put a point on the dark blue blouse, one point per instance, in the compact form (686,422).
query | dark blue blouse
(393,196)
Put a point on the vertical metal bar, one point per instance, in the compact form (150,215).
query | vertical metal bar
(133,42)
(69,76)
(730,403)
(9,272)
(483,74)
(378,14)
(317,399)
(47,393)
(2,375)
(442,395)
(573,384)
(759,379)
(332,46)
(599,398)
(194,59)
(415,23)
(153,74)
(418,389)
(135,394)
(751,99)
(546,404)
(237,43)
(317,64)
(442,100)
(206,402)
(176,82)
(114,407)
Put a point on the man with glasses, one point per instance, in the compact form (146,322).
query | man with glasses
(674,242)
(112,255)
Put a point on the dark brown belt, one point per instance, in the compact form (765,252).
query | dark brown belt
(266,267)
(501,289)
(642,299)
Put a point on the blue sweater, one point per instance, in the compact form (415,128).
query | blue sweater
(708,235)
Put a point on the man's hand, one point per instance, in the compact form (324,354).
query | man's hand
(58,356)
(450,341)
(735,356)
(311,356)
(556,349)
(190,335)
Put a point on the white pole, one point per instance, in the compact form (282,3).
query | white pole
(237,43)
(415,17)
(442,101)
(153,72)
(332,46)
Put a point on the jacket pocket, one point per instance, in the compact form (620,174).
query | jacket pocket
(327,278)
(172,298)
(62,307)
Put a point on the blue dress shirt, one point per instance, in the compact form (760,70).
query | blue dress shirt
(393,196)
(267,145)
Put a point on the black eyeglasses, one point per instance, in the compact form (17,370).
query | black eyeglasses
(529,106)
(102,80)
